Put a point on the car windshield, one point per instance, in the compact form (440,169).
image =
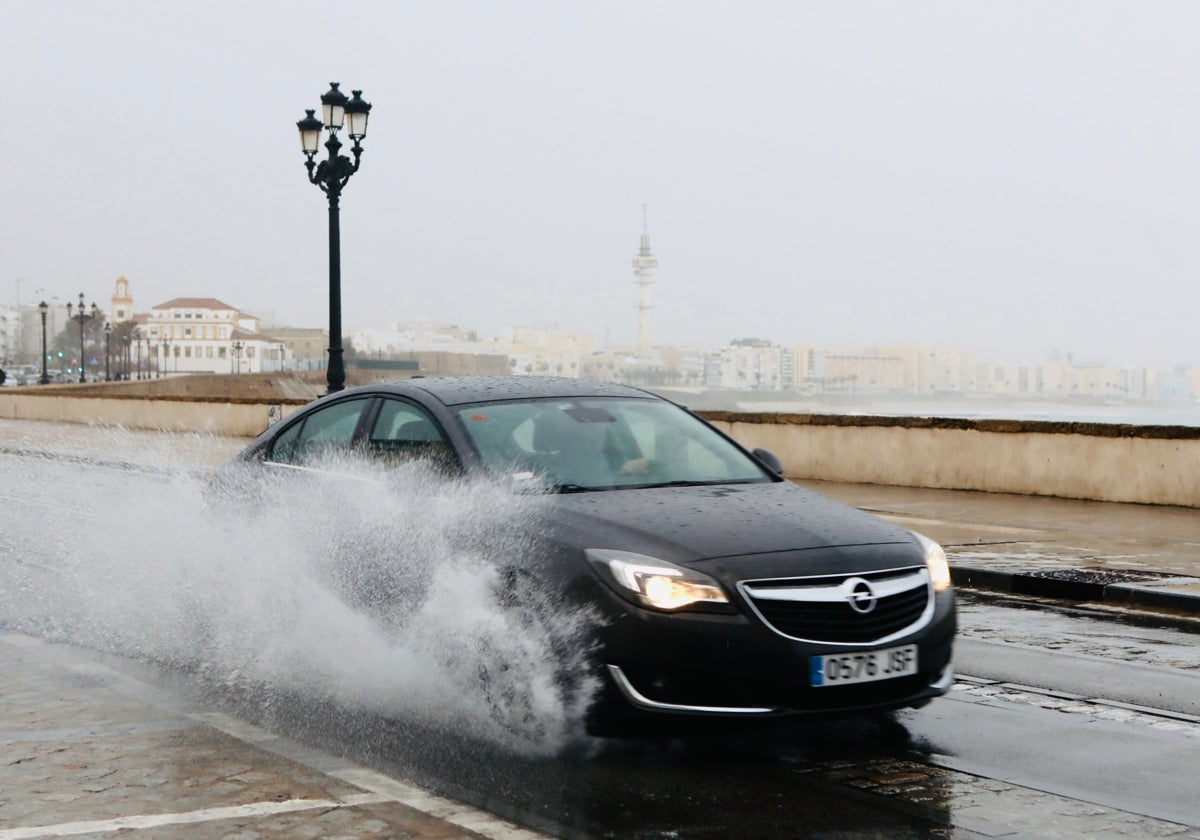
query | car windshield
(603,443)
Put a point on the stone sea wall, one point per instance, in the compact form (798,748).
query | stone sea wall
(1157,465)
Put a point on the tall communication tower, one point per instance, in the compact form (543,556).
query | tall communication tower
(644,265)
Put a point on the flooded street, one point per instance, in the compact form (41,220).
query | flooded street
(1064,722)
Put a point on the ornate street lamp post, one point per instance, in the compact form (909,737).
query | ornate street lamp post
(167,348)
(137,349)
(44,307)
(107,350)
(237,353)
(331,176)
(82,317)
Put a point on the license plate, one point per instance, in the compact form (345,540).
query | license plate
(867,666)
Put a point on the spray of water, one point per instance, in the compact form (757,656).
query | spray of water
(390,592)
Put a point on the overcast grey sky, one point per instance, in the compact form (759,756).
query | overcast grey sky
(1011,177)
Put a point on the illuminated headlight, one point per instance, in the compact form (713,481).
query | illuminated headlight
(657,584)
(935,561)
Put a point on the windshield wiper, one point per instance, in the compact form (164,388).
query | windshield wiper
(684,482)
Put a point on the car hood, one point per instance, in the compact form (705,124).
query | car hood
(690,524)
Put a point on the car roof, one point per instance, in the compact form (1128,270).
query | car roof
(461,390)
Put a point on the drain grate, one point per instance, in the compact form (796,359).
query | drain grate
(1077,584)
(1098,576)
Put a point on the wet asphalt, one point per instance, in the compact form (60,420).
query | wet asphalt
(95,745)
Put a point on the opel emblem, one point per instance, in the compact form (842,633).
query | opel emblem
(860,595)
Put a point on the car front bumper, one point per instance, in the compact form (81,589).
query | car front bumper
(734,667)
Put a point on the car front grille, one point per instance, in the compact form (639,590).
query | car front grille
(867,608)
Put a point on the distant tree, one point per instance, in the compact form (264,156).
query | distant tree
(750,342)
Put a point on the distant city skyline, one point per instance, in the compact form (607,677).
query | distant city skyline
(271,317)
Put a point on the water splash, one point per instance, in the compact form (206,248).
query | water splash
(384,592)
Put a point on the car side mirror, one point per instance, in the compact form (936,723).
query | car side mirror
(769,460)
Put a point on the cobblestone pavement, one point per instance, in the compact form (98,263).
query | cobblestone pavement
(89,751)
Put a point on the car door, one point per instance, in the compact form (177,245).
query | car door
(320,436)
(402,432)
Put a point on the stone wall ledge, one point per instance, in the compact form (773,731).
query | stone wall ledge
(1048,427)
(1157,465)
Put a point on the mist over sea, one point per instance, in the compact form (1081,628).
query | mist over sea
(1116,414)
(1173,415)
(1132,413)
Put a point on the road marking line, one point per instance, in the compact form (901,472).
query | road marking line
(257,809)
(447,810)
(381,788)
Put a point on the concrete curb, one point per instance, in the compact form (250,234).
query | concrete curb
(1157,592)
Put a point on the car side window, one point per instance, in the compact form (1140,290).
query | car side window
(404,432)
(323,432)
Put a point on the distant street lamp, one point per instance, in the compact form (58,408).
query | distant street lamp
(44,307)
(237,352)
(107,350)
(137,348)
(282,351)
(167,351)
(331,176)
(82,317)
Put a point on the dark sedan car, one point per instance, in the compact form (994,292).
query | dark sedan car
(720,589)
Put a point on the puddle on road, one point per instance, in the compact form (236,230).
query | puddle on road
(379,592)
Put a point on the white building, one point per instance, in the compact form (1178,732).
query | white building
(544,349)
(745,367)
(10,334)
(205,335)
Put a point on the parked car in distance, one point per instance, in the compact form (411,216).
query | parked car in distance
(722,591)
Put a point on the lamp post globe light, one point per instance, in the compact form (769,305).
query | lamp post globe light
(107,350)
(331,176)
(44,307)
(82,317)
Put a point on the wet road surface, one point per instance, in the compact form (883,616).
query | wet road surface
(113,737)
(1067,724)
